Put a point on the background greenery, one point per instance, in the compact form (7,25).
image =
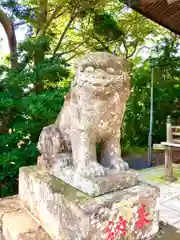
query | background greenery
(36,75)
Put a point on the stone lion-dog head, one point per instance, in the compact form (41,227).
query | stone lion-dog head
(102,72)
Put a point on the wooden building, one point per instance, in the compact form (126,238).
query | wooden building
(164,12)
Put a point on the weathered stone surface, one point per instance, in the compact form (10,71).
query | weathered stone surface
(96,186)
(67,214)
(92,113)
(16,224)
(9,204)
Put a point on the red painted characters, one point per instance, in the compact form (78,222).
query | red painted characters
(142,220)
(113,230)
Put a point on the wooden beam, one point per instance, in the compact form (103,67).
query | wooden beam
(170,144)
(171,1)
(141,7)
(159,146)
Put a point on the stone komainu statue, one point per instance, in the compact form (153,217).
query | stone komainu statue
(92,113)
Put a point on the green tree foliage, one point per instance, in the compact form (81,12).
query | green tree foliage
(24,111)
(166,95)
(31,96)
(104,25)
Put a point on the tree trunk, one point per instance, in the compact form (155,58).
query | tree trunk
(5,118)
(10,33)
(40,53)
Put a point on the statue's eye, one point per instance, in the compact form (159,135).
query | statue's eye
(89,69)
(110,70)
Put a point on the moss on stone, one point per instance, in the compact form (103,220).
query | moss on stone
(153,168)
(56,185)
(177,174)
(157,177)
(70,192)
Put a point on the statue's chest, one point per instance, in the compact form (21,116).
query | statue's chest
(97,110)
(100,110)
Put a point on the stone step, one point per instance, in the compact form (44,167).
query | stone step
(17,224)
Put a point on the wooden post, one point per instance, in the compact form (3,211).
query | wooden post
(168,152)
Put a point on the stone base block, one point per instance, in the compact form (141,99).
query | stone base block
(68,214)
(16,224)
(96,186)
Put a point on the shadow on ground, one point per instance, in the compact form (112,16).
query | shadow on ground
(167,232)
(141,162)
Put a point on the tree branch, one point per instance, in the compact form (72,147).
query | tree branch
(136,41)
(73,16)
(73,56)
(102,43)
(125,47)
(40,52)
(48,22)
(135,48)
(42,17)
(142,49)
(76,47)
(60,14)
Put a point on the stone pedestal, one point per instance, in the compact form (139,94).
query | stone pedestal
(68,214)
(96,186)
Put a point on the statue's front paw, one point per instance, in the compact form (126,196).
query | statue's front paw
(61,160)
(92,169)
(119,164)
